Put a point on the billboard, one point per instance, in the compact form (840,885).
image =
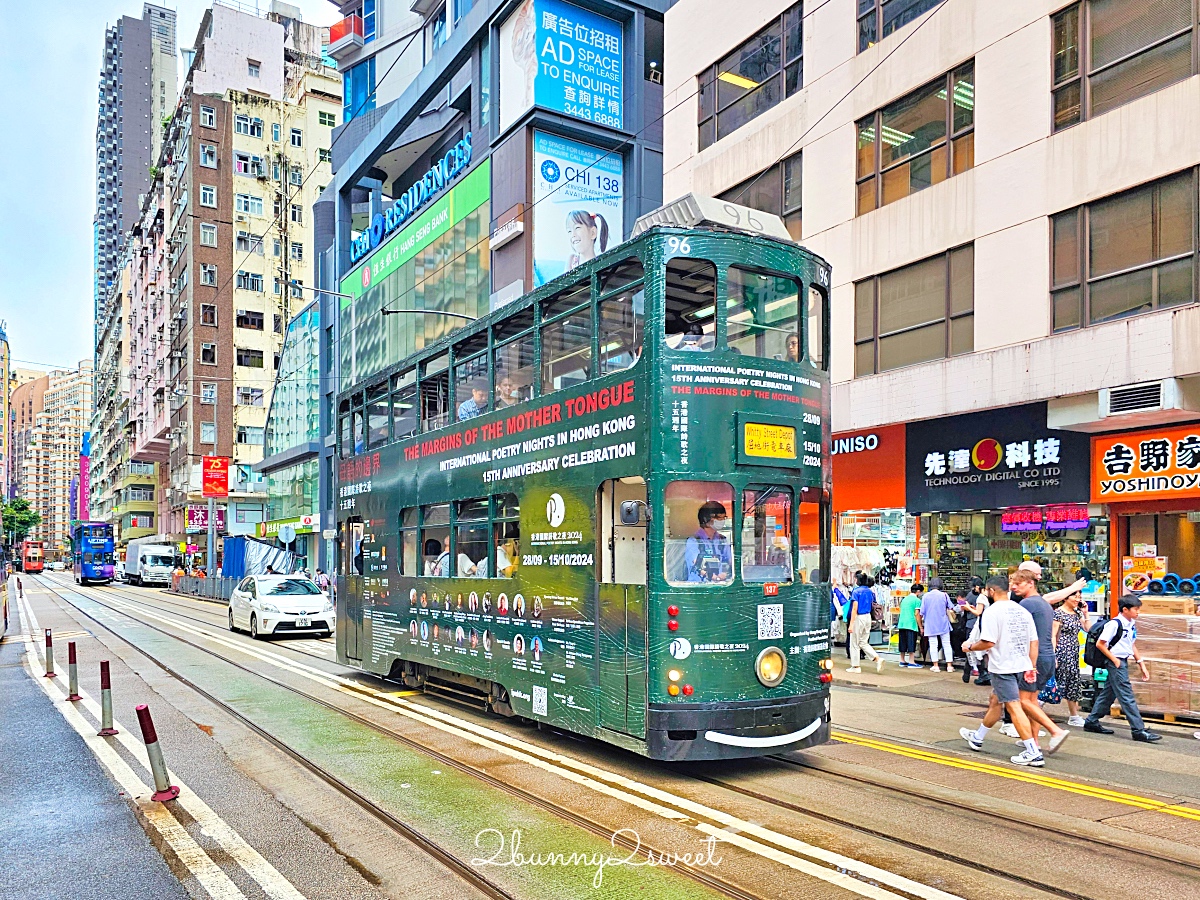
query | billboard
(215,476)
(563,58)
(1157,464)
(197,518)
(579,197)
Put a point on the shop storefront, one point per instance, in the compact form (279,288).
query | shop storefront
(294,534)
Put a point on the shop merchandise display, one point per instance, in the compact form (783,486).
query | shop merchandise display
(1170,645)
(954,560)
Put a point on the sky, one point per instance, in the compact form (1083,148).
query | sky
(51,70)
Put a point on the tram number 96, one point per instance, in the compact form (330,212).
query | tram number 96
(678,245)
(532,559)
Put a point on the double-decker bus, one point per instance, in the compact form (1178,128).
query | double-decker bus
(92,552)
(605,506)
(33,556)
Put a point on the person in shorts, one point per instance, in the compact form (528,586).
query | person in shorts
(909,629)
(1008,635)
(1023,585)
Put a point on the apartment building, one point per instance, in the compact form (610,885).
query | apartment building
(1007,193)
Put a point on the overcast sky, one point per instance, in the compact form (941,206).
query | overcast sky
(51,69)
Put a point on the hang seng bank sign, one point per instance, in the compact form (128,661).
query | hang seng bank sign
(994,459)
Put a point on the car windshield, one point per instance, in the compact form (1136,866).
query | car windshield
(293,586)
(160,560)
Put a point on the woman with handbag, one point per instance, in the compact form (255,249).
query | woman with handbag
(1069,620)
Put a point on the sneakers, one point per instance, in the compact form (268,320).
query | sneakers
(974,673)
(1075,721)
(879,664)
(1057,741)
(1008,729)
(968,735)
(854,669)
(1029,758)
(934,668)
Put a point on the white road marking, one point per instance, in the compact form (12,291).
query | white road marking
(655,800)
(274,885)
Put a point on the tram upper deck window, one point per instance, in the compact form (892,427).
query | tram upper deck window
(435,540)
(817,303)
(471,524)
(767,539)
(690,322)
(435,393)
(344,446)
(404,404)
(698,547)
(762,314)
(377,415)
(472,393)
(567,339)
(620,316)
(513,359)
(408,542)
(357,426)
(506,535)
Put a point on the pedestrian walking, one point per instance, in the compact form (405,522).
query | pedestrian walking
(1024,586)
(861,599)
(909,628)
(837,608)
(934,616)
(1118,645)
(972,607)
(1009,637)
(1069,620)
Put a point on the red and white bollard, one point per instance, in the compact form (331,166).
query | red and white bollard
(106,722)
(49,654)
(20,590)
(163,789)
(72,673)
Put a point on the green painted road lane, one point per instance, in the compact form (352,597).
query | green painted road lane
(463,815)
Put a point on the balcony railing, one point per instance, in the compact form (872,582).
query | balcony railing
(345,36)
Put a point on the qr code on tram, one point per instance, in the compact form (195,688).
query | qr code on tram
(770,621)
(539,701)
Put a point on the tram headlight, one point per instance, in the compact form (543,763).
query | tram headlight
(674,675)
(770,667)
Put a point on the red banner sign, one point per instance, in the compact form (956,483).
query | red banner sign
(215,476)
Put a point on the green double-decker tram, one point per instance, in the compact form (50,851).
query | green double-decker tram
(605,506)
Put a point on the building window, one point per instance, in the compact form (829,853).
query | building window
(296,289)
(297,137)
(208,156)
(911,315)
(249,243)
(275,132)
(276,248)
(249,281)
(208,274)
(326,118)
(253,67)
(436,29)
(297,251)
(358,90)
(776,190)
(247,434)
(296,176)
(141,520)
(1125,50)
(241,124)
(251,358)
(324,156)
(208,393)
(208,433)
(368,17)
(278,287)
(208,117)
(208,314)
(919,140)
(248,318)
(247,396)
(1127,254)
(208,354)
(893,14)
(248,204)
(297,213)
(278,317)
(208,235)
(753,78)
(208,195)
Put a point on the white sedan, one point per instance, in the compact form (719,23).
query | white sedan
(279,604)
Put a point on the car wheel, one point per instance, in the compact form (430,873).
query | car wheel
(231,628)
(254,628)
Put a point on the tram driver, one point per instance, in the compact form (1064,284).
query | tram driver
(708,555)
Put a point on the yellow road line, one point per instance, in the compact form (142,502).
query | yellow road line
(1074,787)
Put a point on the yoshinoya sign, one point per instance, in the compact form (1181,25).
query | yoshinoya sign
(998,458)
(439,177)
(1161,464)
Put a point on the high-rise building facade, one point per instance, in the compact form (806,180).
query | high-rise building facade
(6,417)
(1008,196)
(137,91)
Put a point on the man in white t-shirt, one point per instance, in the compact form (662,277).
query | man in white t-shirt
(1008,635)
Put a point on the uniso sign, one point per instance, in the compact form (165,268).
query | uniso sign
(436,180)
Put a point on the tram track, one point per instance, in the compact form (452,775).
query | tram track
(974,810)
(443,855)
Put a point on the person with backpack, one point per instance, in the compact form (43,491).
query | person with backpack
(1112,646)
(972,604)
(861,600)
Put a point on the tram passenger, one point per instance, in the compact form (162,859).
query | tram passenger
(694,338)
(437,559)
(793,348)
(707,555)
(504,561)
(476,404)
(467,567)
(506,393)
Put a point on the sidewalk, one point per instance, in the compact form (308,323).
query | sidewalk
(65,831)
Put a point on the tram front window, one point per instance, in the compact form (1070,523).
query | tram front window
(690,322)
(767,535)
(698,541)
(810,539)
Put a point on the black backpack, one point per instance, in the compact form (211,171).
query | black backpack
(1091,653)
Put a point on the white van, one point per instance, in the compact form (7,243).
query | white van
(148,563)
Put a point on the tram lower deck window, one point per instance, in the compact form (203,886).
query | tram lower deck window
(767,539)
(698,546)
(435,540)
(690,321)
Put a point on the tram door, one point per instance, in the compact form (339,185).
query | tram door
(350,570)
(621,623)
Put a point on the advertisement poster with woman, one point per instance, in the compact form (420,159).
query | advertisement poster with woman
(578,192)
